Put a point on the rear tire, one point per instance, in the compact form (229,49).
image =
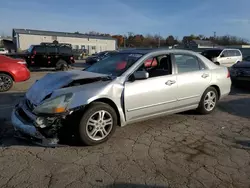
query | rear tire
(62,65)
(98,124)
(208,101)
(6,82)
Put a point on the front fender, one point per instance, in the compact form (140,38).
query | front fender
(86,94)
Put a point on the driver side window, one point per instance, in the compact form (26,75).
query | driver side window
(157,66)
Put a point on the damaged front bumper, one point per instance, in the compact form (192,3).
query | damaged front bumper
(23,123)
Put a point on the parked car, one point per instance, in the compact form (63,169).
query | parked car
(12,70)
(225,57)
(3,51)
(118,90)
(240,74)
(59,56)
(99,56)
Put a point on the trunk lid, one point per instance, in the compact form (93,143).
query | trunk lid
(243,64)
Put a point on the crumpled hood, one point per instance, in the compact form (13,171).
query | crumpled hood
(53,81)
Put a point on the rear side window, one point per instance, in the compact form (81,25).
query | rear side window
(51,49)
(237,53)
(65,50)
(186,63)
(39,49)
(231,53)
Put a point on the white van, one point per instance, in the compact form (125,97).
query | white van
(225,57)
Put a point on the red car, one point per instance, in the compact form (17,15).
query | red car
(12,70)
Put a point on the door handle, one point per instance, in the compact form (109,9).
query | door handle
(170,82)
(205,75)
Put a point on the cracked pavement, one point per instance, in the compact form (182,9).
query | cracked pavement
(181,150)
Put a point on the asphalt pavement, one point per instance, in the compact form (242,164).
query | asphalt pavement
(180,150)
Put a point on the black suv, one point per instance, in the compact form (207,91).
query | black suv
(99,56)
(58,55)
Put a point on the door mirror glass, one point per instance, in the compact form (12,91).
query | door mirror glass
(139,75)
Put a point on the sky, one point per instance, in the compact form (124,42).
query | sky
(164,17)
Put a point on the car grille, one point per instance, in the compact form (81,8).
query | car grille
(23,115)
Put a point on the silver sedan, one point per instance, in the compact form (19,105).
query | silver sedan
(130,86)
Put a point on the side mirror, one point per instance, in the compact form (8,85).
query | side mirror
(140,75)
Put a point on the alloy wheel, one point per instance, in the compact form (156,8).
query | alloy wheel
(99,125)
(5,83)
(210,100)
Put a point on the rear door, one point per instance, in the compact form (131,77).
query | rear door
(52,56)
(237,56)
(39,57)
(193,78)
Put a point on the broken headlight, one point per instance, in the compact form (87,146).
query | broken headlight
(54,106)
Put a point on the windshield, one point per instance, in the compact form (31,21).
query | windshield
(211,53)
(114,65)
(30,49)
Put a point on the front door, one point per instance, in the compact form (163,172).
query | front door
(193,78)
(151,96)
(39,57)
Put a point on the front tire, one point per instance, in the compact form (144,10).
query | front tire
(97,124)
(6,82)
(208,101)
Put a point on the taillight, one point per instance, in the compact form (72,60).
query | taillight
(34,52)
(71,58)
(228,74)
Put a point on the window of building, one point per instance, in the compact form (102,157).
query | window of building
(53,38)
(93,47)
(186,63)
(76,47)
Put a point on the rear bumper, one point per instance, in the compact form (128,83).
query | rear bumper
(241,81)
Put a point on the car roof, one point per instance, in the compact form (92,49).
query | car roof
(150,50)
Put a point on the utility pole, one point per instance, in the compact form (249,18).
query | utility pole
(159,41)
(214,38)
(124,41)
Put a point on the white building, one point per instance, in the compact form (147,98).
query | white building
(23,38)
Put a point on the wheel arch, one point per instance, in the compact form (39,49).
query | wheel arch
(217,89)
(112,104)
(9,74)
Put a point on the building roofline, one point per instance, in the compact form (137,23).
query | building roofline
(56,33)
